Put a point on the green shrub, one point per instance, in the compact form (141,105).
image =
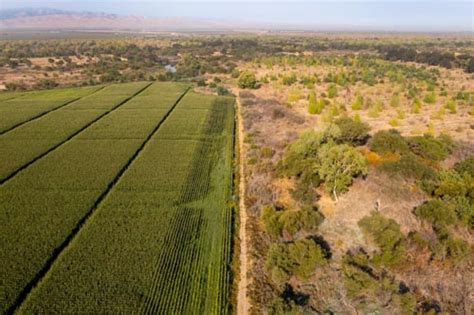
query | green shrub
(388,141)
(438,212)
(247,80)
(406,303)
(289,79)
(416,106)
(428,147)
(304,189)
(299,258)
(279,306)
(301,154)
(453,184)
(465,166)
(451,106)
(353,132)
(359,278)
(430,98)
(409,166)
(332,90)
(358,103)
(395,100)
(388,237)
(291,221)
(312,106)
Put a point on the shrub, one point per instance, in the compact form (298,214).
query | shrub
(359,279)
(416,106)
(353,132)
(451,106)
(393,122)
(332,90)
(388,237)
(358,103)
(430,98)
(291,221)
(247,80)
(280,306)
(395,100)
(453,184)
(304,190)
(289,79)
(312,106)
(301,154)
(388,141)
(428,147)
(235,73)
(299,258)
(438,212)
(465,166)
(222,91)
(409,166)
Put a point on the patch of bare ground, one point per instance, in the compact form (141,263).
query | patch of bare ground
(395,199)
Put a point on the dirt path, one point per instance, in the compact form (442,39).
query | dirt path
(243,304)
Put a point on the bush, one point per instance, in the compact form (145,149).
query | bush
(332,90)
(465,166)
(222,91)
(301,154)
(387,142)
(304,190)
(247,80)
(395,100)
(281,307)
(353,132)
(359,278)
(291,221)
(358,103)
(299,258)
(388,237)
(430,98)
(409,166)
(439,213)
(429,147)
(312,105)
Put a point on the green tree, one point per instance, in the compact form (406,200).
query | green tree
(339,164)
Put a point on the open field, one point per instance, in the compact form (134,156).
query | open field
(124,201)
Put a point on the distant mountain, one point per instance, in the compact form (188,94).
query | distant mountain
(29,12)
(52,19)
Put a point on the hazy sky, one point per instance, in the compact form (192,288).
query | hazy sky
(382,14)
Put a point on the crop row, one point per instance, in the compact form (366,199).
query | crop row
(40,206)
(152,245)
(24,144)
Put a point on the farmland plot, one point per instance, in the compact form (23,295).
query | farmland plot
(160,240)
(24,144)
(18,108)
(42,206)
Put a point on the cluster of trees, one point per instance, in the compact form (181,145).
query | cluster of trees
(327,157)
(430,57)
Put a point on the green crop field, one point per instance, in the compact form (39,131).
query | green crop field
(117,202)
